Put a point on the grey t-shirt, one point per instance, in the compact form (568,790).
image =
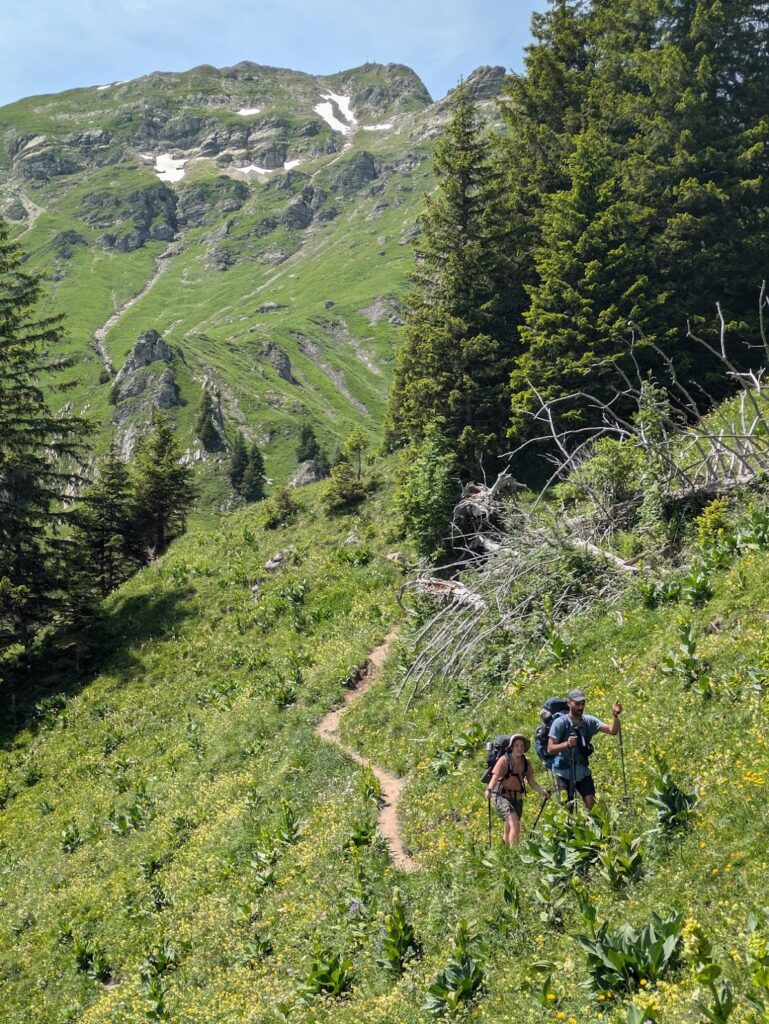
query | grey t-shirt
(560,731)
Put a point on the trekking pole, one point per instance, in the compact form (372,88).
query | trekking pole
(622,760)
(488,801)
(573,800)
(539,814)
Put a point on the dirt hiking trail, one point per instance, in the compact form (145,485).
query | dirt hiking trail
(328,730)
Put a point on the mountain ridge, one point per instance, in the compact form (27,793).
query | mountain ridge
(250,216)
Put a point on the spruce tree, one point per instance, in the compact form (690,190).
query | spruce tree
(36,451)
(205,427)
(163,492)
(238,462)
(308,448)
(458,346)
(663,202)
(102,522)
(355,446)
(252,487)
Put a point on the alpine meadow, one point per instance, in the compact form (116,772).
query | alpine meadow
(384,578)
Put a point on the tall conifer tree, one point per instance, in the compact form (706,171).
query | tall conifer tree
(458,348)
(252,487)
(35,450)
(164,491)
(103,521)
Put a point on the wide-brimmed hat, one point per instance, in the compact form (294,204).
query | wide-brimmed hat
(520,736)
(577,695)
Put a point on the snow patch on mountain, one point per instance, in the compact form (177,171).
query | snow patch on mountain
(169,169)
(248,111)
(376,127)
(326,111)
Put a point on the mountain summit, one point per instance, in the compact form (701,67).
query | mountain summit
(259,220)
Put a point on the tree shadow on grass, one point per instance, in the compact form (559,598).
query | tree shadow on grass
(59,669)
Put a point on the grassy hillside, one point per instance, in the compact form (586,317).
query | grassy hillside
(177,844)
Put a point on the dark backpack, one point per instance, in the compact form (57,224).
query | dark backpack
(553,708)
(494,750)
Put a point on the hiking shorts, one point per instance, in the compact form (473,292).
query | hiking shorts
(506,804)
(585,787)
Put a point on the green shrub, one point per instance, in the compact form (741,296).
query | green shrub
(673,805)
(428,488)
(330,975)
(460,981)
(343,490)
(399,942)
(280,508)
(620,960)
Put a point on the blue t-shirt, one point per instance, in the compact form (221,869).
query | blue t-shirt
(560,731)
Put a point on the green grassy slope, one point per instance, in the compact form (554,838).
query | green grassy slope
(181,798)
(82,162)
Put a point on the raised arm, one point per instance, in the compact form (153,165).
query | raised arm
(613,729)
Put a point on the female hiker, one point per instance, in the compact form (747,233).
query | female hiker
(508,786)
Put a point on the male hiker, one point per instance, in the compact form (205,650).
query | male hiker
(569,740)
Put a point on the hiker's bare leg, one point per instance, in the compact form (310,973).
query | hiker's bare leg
(589,802)
(512,829)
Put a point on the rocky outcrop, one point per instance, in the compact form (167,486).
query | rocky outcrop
(64,243)
(136,377)
(306,473)
(280,362)
(199,204)
(383,307)
(485,83)
(38,159)
(141,215)
(352,174)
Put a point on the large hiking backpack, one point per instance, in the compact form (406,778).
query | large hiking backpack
(494,750)
(553,708)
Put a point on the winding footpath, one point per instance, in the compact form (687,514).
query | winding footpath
(392,787)
(162,262)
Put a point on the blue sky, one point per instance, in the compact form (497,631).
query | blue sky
(51,45)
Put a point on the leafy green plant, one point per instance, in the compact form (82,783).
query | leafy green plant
(656,592)
(71,837)
(330,974)
(684,665)
(288,830)
(541,987)
(91,959)
(674,806)
(263,864)
(363,833)
(256,948)
(620,960)
(622,861)
(755,535)
(461,980)
(757,956)
(368,785)
(557,648)
(709,974)
(447,759)
(399,942)
(697,584)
